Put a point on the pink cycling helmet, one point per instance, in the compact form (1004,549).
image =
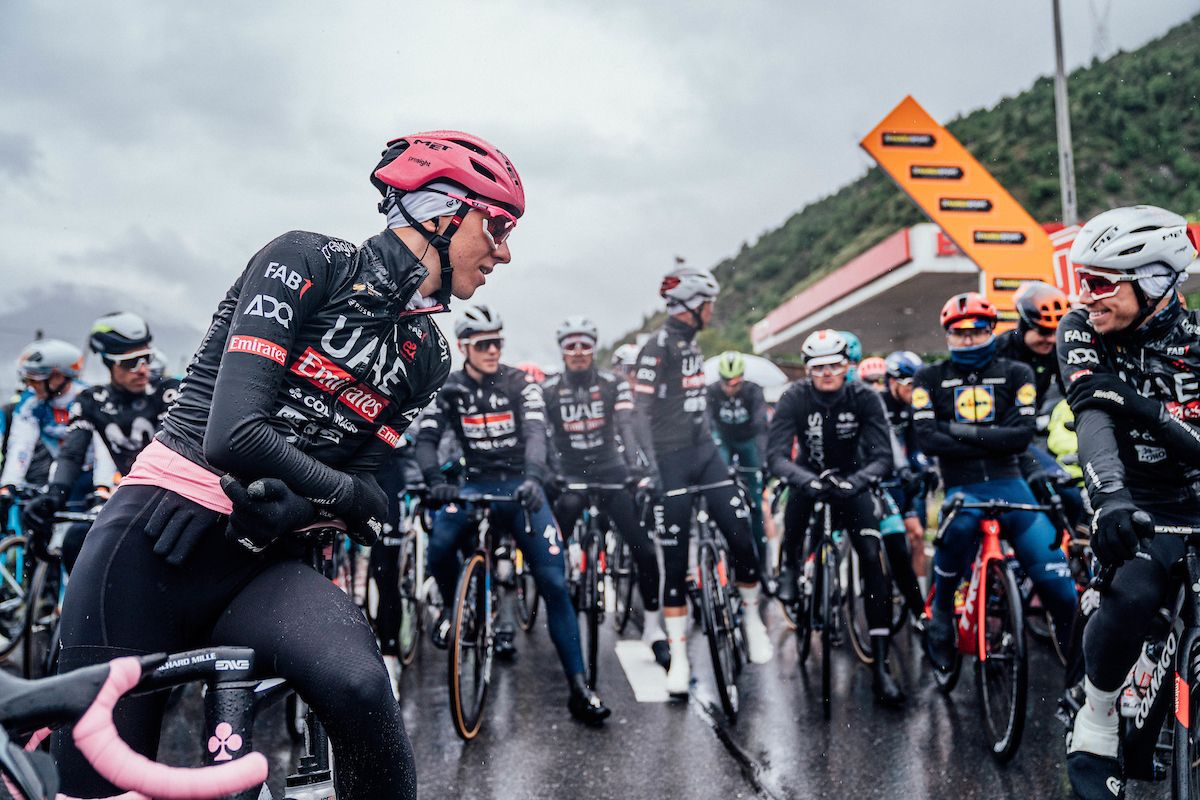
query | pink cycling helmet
(411,162)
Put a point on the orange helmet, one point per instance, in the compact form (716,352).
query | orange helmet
(965,310)
(1041,305)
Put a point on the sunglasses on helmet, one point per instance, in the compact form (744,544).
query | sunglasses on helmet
(1101,285)
(497,223)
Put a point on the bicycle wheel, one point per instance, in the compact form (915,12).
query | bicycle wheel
(591,606)
(826,606)
(789,609)
(16,569)
(856,610)
(623,570)
(1002,671)
(719,625)
(1185,762)
(41,618)
(527,593)
(409,634)
(470,648)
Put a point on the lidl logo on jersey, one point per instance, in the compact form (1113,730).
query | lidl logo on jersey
(920,398)
(975,403)
(1026,394)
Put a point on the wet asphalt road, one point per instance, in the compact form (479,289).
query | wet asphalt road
(780,748)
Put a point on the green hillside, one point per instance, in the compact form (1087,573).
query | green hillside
(1135,119)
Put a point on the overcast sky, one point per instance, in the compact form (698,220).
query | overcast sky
(154,147)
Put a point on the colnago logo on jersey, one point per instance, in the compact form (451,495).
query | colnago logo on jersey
(257,346)
(329,377)
(489,425)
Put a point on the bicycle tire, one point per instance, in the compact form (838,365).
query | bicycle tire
(527,593)
(41,615)
(1185,761)
(592,609)
(718,627)
(15,574)
(791,611)
(409,634)
(623,570)
(828,572)
(1002,677)
(856,610)
(469,637)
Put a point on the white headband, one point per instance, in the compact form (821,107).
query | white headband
(1156,279)
(423,204)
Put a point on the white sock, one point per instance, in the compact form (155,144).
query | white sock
(677,631)
(1097,723)
(652,630)
(750,603)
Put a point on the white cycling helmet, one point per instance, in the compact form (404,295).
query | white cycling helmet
(577,326)
(477,319)
(1125,239)
(46,356)
(825,347)
(625,356)
(687,288)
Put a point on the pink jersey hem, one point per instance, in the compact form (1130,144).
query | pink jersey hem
(159,465)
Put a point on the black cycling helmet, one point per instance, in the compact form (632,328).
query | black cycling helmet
(120,333)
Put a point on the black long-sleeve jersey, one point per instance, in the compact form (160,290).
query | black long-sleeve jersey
(669,391)
(126,423)
(845,431)
(1011,345)
(500,421)
(586,412)
(1158,463)
(977,422)
(313,364)
(740,417)
(900,417)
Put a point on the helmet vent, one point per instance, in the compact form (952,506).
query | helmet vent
(1137,248)
(484,171)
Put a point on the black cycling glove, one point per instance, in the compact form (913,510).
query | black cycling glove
(1114,532)
(530,494)
(38,512)
(440,494)
(264,511)
(814,488)
(364,513)
(177,525)
(845,488)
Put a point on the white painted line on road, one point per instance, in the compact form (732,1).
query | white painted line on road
(647,679)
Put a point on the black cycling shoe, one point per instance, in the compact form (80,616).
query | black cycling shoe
(584,705)
(887,690)
(662,653)
(440,633)
(785,589)
(939,640)
(505,650)
(1095,777)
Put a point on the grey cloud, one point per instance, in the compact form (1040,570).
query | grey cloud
(18,156)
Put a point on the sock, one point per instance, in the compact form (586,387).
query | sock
(677,631)
(750,604)
(1096,724)
(652,630)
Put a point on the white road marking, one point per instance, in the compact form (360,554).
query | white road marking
(647,679)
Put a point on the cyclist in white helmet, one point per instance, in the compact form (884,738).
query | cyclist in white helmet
(673,426)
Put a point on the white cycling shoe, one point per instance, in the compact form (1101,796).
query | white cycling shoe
(758,641)
(679,676)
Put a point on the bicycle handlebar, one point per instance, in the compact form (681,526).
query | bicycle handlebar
(593,487)
(96,737)
(704,487)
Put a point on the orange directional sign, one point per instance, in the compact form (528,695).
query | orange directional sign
(963,198)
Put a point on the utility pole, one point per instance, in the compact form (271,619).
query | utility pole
(1062,114)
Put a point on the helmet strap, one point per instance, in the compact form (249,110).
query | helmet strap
(1146,305)
(439,242)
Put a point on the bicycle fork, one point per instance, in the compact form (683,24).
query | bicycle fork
(1187,669)
(972,630)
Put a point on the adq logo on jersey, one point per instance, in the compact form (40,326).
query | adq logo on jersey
(268,307)
(975,403)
